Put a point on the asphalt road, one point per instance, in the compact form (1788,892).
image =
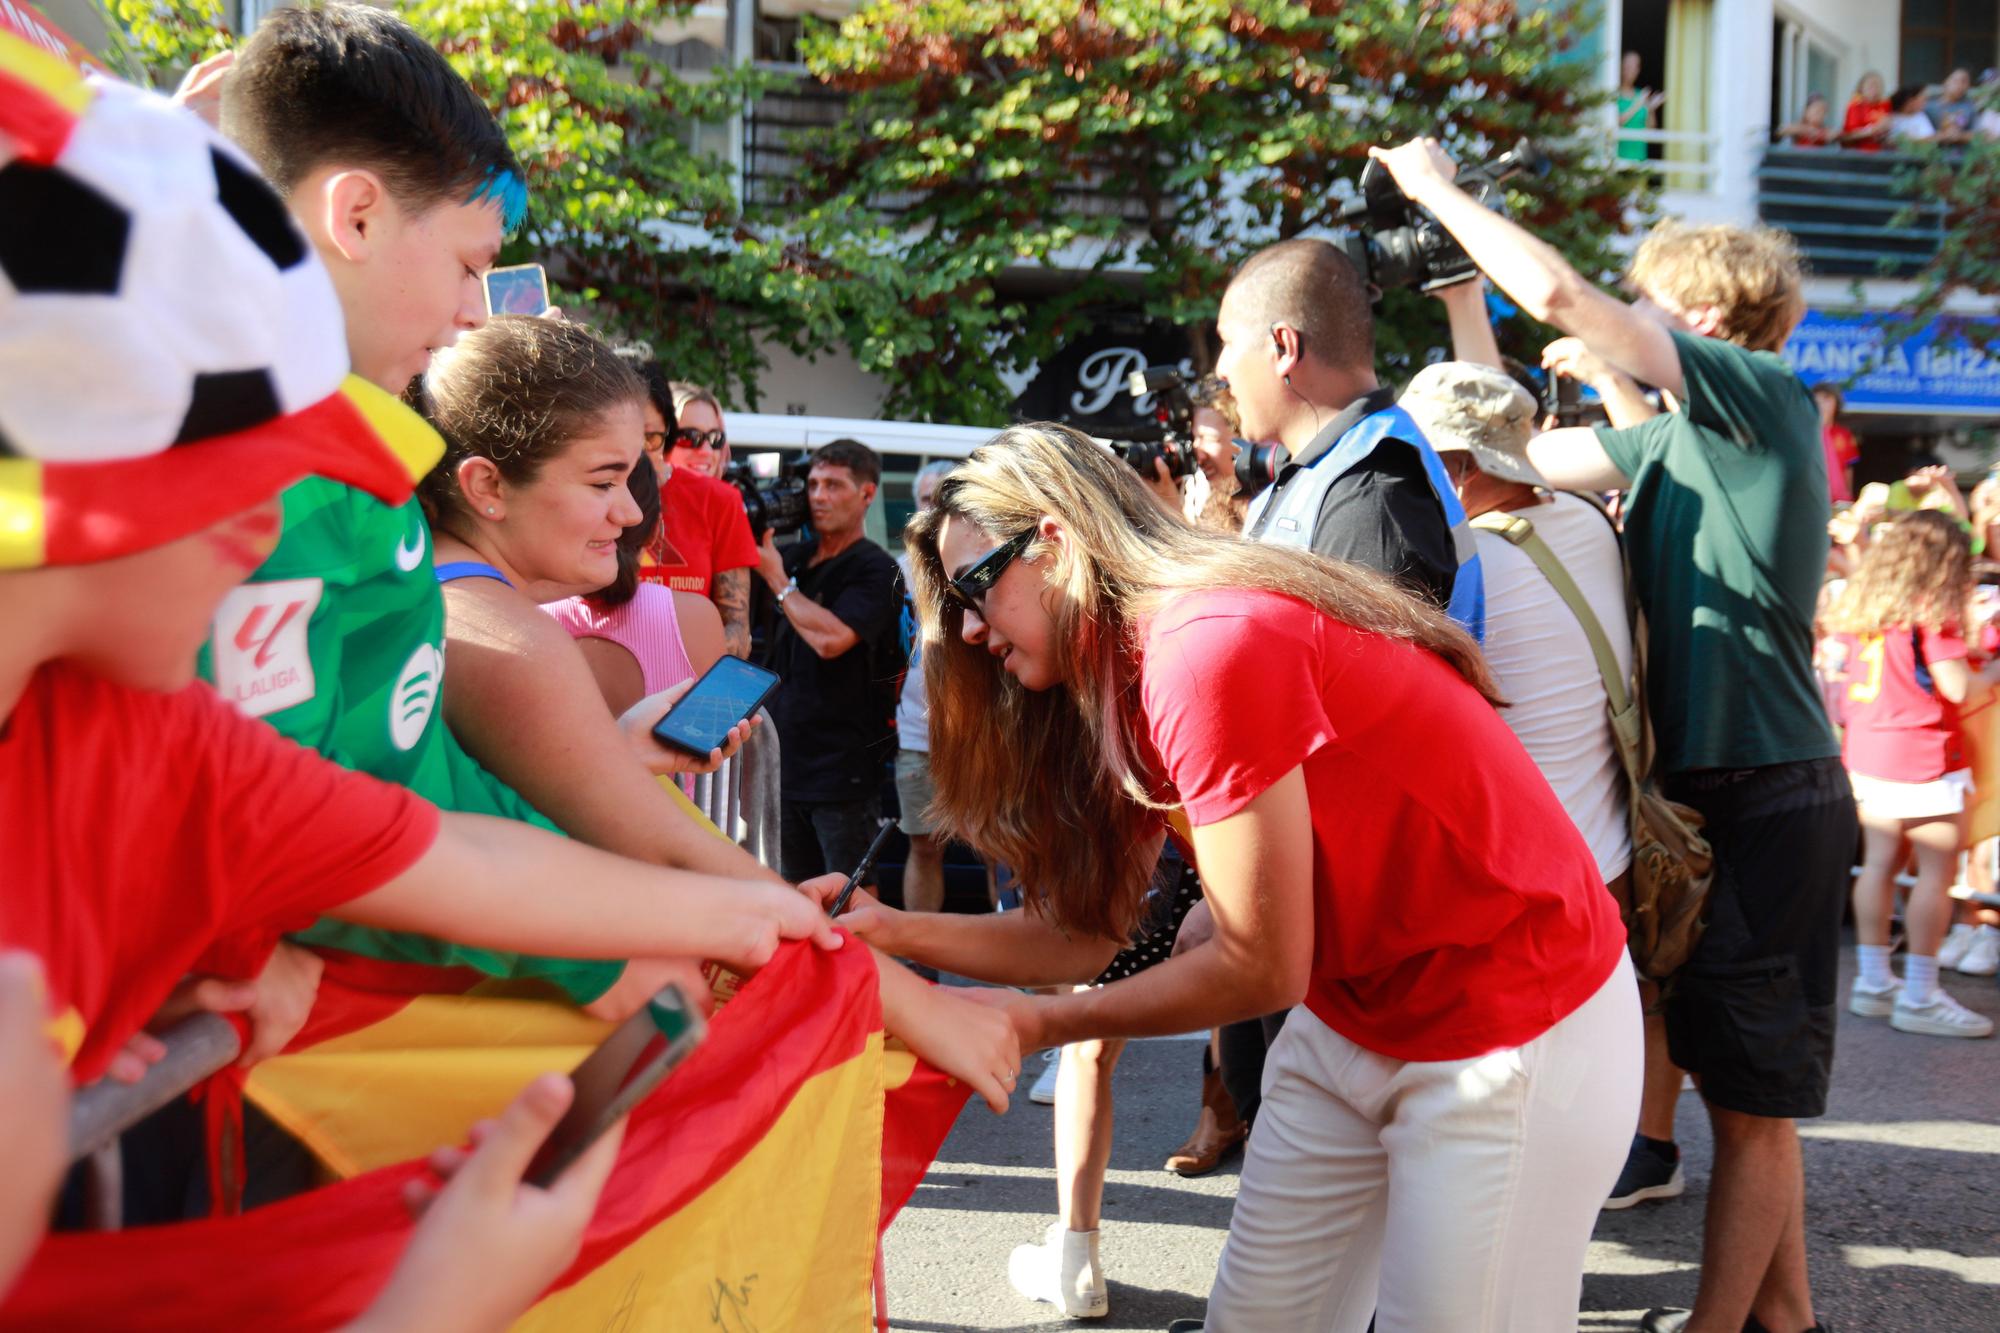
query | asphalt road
(1902,1225)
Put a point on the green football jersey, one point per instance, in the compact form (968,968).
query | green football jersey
(338,642)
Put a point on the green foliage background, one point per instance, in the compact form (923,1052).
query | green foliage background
(1004,170)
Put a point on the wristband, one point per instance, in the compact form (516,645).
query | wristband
(791,586)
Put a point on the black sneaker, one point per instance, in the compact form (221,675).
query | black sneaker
(1667,1320)
(1649,1174)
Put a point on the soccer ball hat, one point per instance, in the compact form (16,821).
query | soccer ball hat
(171,350)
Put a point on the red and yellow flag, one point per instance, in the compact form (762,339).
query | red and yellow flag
(750,1192)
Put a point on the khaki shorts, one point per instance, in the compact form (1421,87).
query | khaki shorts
(913,791)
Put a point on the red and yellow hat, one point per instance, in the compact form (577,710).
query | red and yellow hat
(171,350)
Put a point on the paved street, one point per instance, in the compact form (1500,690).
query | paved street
(1901,1175)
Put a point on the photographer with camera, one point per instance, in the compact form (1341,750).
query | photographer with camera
(1726,525)
(837,594)
(1357,482)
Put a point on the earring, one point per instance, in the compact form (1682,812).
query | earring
(490,511)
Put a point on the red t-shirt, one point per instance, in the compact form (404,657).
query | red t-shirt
(1864,115)
(1898,729)
(145,836)
(703,532)
(1457,909)
(1837,442)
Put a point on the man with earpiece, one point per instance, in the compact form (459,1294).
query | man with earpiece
(1354,479)
(1357,481)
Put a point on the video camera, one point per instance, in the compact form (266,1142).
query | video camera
(773,491)
(1562,399)
(1393,243)
(1171,439)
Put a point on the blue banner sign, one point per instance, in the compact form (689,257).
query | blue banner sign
(1936,371)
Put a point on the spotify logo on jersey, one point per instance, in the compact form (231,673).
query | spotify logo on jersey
(415,697)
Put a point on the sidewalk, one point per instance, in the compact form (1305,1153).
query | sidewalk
(1901,1177)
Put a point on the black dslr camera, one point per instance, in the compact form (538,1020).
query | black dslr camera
(1393,243)
(773,491)
(1171,438)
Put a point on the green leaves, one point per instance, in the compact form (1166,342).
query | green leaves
(999,169)
(1128,153)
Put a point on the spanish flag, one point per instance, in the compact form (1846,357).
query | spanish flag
(750,1193)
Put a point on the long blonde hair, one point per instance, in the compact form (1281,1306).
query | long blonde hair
(1916,574)
(1054,783)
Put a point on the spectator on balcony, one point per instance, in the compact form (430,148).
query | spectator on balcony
(1954,112)
(1908,121)
(1838,441)
(1638,109)
(1986,125)
(1810,130)
(1866,124)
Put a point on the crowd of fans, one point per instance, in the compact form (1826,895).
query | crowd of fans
(1402,899)
(1877,117)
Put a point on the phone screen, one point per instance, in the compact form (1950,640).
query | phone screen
(519,289)
(632,1061)
(731,691)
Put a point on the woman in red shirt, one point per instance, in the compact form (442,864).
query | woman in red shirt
(1866,125)
(1900,620)
(1447,1109)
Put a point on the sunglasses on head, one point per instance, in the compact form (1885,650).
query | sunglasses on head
(687,438)
(971,587)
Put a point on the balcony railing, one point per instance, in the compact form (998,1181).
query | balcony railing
(1686,160)
(1844,207)
(777,125)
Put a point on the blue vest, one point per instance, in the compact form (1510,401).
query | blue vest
(1288,510)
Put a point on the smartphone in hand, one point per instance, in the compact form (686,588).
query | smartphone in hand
(728,693)
(518,289)
(618,1075)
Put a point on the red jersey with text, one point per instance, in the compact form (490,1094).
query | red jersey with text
(1457,910)
(148,836)
(1898,728)
(703,532)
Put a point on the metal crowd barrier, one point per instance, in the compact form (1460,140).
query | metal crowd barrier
(741,797)
(197,1046)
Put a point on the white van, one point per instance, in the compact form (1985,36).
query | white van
(905,446)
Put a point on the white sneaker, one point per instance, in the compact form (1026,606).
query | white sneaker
(1870,1002)
(1044,1091)
(1982,956)
(1941,1017)
(1063,1271)
(1952,952)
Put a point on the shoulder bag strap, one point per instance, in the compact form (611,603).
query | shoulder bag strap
(1627,725)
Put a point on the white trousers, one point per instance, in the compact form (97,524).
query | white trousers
(1448,1197)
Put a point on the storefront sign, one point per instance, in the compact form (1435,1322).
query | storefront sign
(1938,371)
(1087,382)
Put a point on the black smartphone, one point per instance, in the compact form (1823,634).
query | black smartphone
(727,693)
(614,1078)
(839,904)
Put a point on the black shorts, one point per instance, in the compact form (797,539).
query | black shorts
(1752,1012)
(1176,889)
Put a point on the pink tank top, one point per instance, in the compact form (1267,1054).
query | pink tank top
(646,627)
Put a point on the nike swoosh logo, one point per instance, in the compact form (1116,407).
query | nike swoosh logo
(408,557)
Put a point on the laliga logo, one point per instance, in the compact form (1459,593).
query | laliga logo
(415,697)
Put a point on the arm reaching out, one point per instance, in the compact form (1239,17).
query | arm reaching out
(497,884)
(1533,272)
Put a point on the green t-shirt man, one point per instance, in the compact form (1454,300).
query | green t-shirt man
(1726,528)
(338,642)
